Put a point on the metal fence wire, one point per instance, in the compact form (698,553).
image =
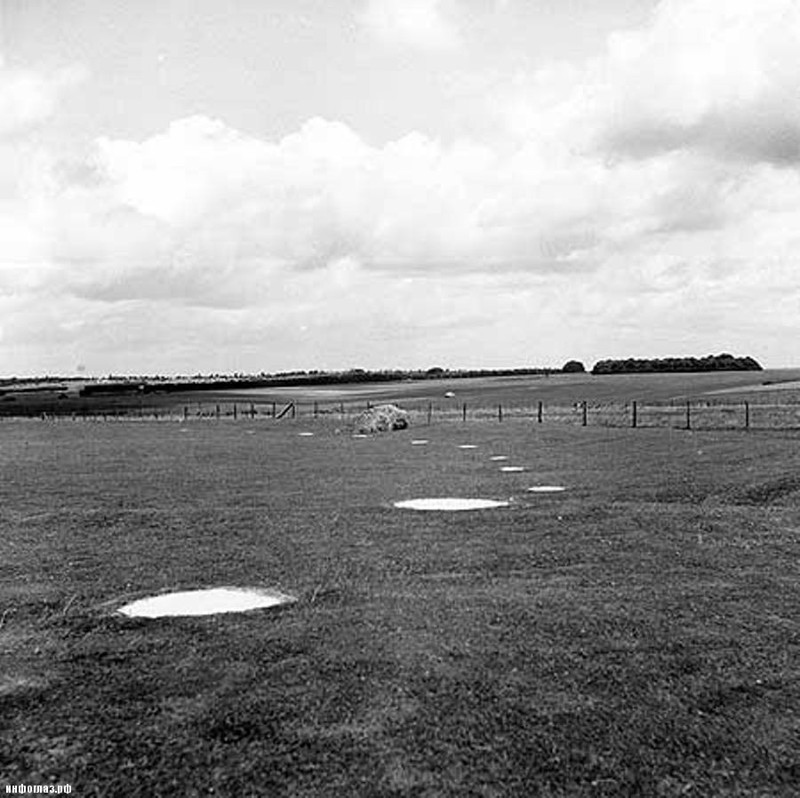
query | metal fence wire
(689,415)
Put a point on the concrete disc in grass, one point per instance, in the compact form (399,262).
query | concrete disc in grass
(360,435)
(467,446)
(547,489)
(305,434)
(510,469)
(419,442)
(499,457)
(212,601)
(450,504)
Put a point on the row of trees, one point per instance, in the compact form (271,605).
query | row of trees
(722,362)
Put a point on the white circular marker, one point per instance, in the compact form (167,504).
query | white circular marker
(418,443)
(499,457)
(212,601)
(467,446)
(450,504)
(509,469)
(547,489)
(305,434)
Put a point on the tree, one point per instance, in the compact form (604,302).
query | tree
(573,367)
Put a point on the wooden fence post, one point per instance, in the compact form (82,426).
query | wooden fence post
(539,412)
(584,418)
(634,419)
(688,416)
(274,409)
(235,412)
(464,412)
(316,409)
(430,412)
(747,415)
(217,411)
(252,410)
(499,412)
(294,410)
(341,408)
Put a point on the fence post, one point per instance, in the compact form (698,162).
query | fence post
(688,416)
(464,412)
(539,413)
(430,412)
(583,418)
(499,412)
(217,411)
(747,415)
(341,408)
(235,412)
(633,415)
(274,409)
(316,409)
(294,410)
(252,410)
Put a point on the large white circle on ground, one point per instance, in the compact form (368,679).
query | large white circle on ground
(450,504)
(211,601)
(547,489)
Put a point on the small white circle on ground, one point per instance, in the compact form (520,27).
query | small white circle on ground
(450,504)
(509,469)
(499,457)
(467,446)
(419,442)
(305,434)
(211,601)
(547,489)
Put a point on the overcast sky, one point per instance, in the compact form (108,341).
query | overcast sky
(200,186)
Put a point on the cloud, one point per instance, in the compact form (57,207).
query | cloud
(204,214)
(28,98)
(714,77)
(420,24)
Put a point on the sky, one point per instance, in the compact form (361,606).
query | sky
(189,186)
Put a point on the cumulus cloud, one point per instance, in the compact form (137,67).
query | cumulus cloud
(28,98)
(716,77)
(422,24)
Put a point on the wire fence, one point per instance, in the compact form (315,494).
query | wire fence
(688,415)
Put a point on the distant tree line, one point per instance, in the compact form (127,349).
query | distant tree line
(723,362)
(293,379)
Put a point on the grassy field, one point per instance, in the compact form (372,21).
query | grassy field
(634,635)
(775,394)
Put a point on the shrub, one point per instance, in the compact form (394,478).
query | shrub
(573,367)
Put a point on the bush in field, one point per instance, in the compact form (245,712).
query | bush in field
(573,367)
(722,362)
(382,418)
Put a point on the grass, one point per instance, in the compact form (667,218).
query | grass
(608,396)
(635,635)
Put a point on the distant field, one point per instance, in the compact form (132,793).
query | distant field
(634,635)
(526,390)
(608,396)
